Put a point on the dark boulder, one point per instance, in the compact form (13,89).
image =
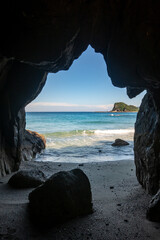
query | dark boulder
(33,144)
(27,179)
(63,196)
(119,142)
(153,212)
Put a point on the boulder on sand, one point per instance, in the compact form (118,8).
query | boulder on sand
(119,142)
(153,211)
(27,179)
(63,196)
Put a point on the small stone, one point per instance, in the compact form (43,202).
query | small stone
(125,220)
(81,165)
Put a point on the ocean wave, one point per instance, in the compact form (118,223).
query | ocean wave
(89,132)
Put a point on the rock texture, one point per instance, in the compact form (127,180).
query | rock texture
(147,144)
(153,212)
(27,179)
(63,196)
(33,144)
(119,142)
(19,83)
(47,36)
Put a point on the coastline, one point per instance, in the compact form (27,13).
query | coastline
(117,111)
(119,204)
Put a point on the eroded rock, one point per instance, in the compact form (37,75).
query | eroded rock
(119,143)
(153,212)
(27,179)
(33,143)
(19,84)
(147,144)
(63,196)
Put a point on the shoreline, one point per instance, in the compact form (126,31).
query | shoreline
(119,204)
(117,112)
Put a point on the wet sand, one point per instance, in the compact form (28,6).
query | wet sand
(119,204)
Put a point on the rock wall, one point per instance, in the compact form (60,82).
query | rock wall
(47,36)
(147,144)
(19,83)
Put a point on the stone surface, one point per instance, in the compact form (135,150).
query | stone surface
(153,212)
(63,196)
(119,142)
(33,144)
(27,179)
(147,144)
(133,91)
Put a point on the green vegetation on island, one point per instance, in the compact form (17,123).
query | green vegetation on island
(122,107)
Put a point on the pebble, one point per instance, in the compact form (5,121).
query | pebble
(81,165)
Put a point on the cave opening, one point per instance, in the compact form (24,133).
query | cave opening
(47,36)
(73,113)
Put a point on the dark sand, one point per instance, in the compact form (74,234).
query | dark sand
(119,204)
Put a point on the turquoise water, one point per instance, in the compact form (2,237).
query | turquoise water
(83,137)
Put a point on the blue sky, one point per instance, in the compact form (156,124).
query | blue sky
(86,86)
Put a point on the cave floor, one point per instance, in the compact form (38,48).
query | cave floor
(119,206)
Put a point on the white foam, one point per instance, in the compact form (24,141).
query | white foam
(114,131)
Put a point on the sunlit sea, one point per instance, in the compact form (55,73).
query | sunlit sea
(83,136)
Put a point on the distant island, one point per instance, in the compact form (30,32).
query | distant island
(122,107)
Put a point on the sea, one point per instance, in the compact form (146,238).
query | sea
(80,137)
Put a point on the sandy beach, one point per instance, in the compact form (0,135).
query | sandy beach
(119,204)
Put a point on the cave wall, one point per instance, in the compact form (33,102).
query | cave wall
(22,83)
(147,143)
(43,36)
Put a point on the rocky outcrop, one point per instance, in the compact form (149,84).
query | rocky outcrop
(147,144)
(27,179)
(33,144)
(47,36)
(119,142)
(123,107)
(63,196)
